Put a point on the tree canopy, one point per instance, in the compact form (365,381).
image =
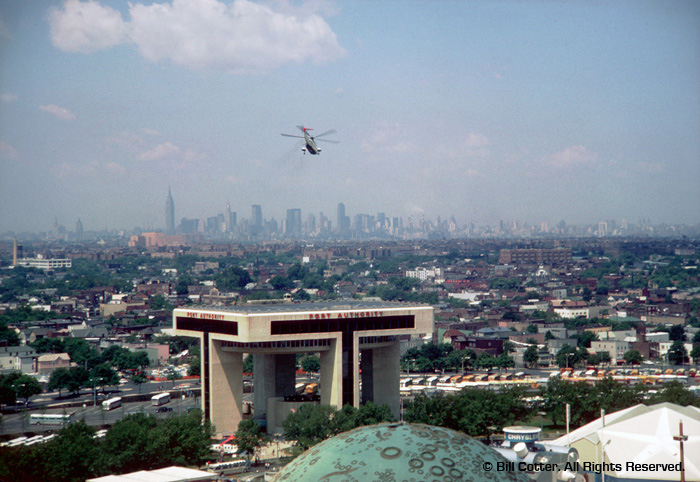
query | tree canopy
(312,423)
(474,411)
(136,442)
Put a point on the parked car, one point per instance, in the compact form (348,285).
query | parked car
(164,409)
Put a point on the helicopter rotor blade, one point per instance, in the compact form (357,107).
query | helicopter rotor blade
(290,135)
(332,131)
(303,129)
(328,140)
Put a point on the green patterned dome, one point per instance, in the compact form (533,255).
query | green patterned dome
(398,452)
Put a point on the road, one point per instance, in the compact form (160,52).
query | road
(16,423)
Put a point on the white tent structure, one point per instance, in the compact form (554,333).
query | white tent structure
(640,435)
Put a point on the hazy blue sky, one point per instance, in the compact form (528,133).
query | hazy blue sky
(485,110)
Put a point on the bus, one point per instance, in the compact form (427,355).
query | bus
(227,468)
(51,418)
(160,399)
(112,403)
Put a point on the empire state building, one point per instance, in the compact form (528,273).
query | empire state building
(169,215)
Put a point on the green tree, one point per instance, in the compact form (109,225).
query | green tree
(297,271)
(183,440)
(72,455)
(112,354)
(612,396)
(509,347)
(26,387)
(79,377)
(677,353)
(82,353)
(531,328)
(103,375)
(504,361)
(632,357)
(248,363)
(485,360)
(558,392)
(695,353)
(475,411)
(8,393)
(371,414)
(309,425)
(676,332)
(129,446)
(249,437)
(585,338)
(311,364)
(49,345)
(232,278)
(312,423)
(675,392)
(569,356)
(281,283)
(60,378)
(195,368)
(600,358)
(404,283)
(139,379)
(531,356)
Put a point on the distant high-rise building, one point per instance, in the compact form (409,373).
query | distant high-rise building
(227,218)
(16,253)
(311,224)
(341,215)
(79,230)
(256,220)
(232,220)
(293,224)
(602,229)
(343,220)
(169,214)
(189,226)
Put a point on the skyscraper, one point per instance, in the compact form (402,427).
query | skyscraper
(293,226)
(169,214)
(256,220)
(79,230)
(343,220)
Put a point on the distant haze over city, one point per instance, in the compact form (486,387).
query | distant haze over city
(513,115)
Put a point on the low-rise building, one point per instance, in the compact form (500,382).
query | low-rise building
(18,358)
(47,363)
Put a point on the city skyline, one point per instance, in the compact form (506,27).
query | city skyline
(300,224)
(485,111)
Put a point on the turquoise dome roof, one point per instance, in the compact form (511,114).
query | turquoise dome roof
(398,452)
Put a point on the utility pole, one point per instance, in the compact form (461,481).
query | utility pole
(681,438)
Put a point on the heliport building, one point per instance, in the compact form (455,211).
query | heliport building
(357,342)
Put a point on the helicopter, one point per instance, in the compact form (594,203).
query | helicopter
(310,140)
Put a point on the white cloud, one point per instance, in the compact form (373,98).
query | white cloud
(86,27)
(70,170)
(114,169)
(242,37)
(7,97)
(573,156)
(167,149)
(60,112)
(388,138)
(7,151)
(474,141)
